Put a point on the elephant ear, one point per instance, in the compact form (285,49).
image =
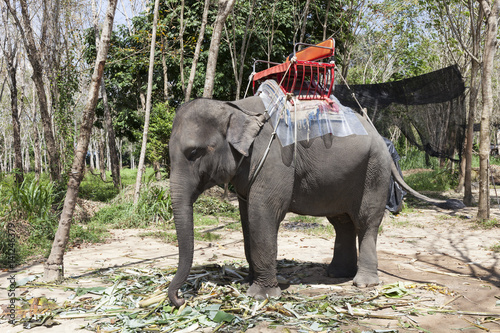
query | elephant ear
(243,127)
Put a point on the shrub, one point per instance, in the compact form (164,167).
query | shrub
(29,207)
(435,180)
(206,205)
(31,199)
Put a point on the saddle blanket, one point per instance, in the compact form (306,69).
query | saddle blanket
(313,118)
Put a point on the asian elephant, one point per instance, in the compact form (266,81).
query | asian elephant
(345,179)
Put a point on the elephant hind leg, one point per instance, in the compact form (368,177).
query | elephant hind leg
(367,275)
(345,257)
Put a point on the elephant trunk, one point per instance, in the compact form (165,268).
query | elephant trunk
(182,204)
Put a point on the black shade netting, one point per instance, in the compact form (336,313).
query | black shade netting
(429,109)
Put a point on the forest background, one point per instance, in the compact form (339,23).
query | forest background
(49,48)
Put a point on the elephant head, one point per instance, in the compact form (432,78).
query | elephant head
(208,139)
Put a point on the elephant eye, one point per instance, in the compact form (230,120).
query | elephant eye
(193,153)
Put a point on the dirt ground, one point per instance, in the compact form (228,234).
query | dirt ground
(424,246)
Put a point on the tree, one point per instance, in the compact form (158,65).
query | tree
(148,106)
(35,58)
(113,152)
(9,49)
(225,7)
(197,51)
(238,60)
(108,122)
(475,32)
(54,268)
(304,19)
(459,26)
(491,9)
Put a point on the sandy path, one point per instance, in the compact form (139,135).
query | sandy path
(424,246)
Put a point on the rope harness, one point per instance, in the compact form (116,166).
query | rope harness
(273,135)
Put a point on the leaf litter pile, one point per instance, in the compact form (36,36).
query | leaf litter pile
(135,300)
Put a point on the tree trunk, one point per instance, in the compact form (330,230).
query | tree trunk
(197,51)
(304,22)
(102,154)
(91,155)
(244,49)
(164,66)
(120,145)
(113,154)
(16,127)
(491,9)
(225,7)
(132,158)
(473,92)
(36,147)
(181,51)
(270,38)
(325,22)
(157,170)
(475,27)
(34,57)
(54,268)
(138,180)
(10,52)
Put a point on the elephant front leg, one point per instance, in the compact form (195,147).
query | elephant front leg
(246,238)
(345,257)
(263,248)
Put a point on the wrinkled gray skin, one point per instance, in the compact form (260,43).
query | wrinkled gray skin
(345,179)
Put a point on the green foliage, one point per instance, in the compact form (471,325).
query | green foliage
(489,224)
(154,207)
(31,199)
(495,248)
(32,208)
(413,158)
(166,236)
(435,180)
(126,69)
(160,128)
(94,188)
(91,233)
(155,201)
(28,213)
(206,205)
(392,43)
(304,219)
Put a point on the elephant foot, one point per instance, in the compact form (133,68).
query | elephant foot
(364,280)
(261,292)
(345,272)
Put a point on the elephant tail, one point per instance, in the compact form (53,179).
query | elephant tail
(452,204)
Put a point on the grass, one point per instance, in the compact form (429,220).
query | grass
(32,210)
(488,224)
(436,180)
(171,236)
(316,228)
(94,188)
(206,205)
(495,248)
(154,211)
(305,219)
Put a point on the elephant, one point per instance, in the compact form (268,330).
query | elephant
(345,179)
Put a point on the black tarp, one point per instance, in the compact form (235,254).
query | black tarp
(429,109)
